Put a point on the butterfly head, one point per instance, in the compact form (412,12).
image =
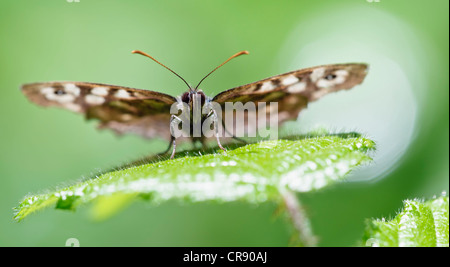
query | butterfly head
(188,97)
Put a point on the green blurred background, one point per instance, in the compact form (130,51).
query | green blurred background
(403,105)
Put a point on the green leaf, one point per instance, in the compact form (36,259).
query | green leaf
(253,173)
(420,224)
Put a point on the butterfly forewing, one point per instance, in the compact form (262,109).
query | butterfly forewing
(119,108)
(310,82)
(79,96)
(293,90)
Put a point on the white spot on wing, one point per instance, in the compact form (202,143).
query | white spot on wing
(288,80)
(49,93)
(47,90)
(100,91)
(341,76)
(267,86)
(71,88)
(341,73)
(317,74)
(94,99)
(297,88)
(122,94)
(60,98)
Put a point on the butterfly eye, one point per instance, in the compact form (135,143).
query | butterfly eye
(60,92)
(202,98)
(330,77)
(186,97)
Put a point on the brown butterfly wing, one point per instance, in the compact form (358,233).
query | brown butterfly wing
(122,109)
(294,90)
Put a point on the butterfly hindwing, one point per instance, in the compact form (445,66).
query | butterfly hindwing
(119,108)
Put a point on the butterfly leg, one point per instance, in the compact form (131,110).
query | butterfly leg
(174,145)
(169,147)
(216,128)
(174,120)
(171,144)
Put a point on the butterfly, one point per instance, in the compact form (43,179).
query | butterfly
(147,113)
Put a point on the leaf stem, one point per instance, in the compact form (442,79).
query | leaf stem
(303,232)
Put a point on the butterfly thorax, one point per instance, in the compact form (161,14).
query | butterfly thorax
(196,101)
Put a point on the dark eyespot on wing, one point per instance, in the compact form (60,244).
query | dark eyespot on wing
(60,92)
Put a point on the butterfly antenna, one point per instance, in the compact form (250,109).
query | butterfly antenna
(233,56)
(147,55)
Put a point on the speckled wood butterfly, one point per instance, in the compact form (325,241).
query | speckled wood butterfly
(147,113)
